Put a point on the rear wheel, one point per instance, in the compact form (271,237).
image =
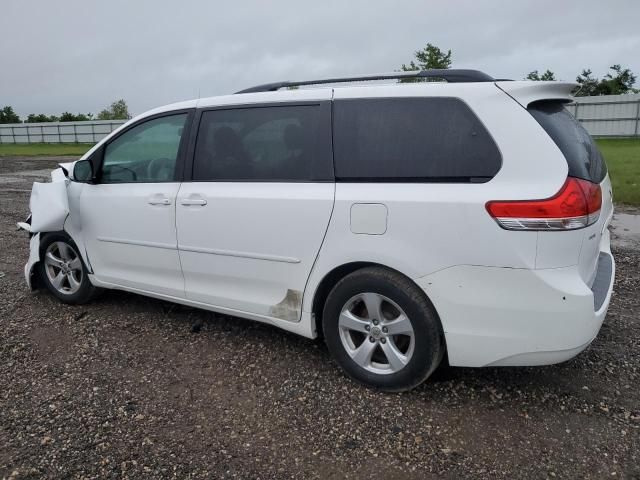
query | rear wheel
(382,329)
(63,271)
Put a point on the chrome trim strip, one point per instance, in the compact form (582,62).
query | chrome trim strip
(124,241)
(234,253)
(542,224)
(211,251)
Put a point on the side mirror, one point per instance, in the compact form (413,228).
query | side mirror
(83,171)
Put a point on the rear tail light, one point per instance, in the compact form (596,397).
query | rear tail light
(576,205)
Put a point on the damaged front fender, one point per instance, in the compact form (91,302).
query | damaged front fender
(49,205)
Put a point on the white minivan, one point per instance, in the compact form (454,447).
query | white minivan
(402,222)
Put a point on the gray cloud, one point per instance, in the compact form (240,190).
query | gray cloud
(79,56)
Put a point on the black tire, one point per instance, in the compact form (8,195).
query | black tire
(86,291)
(428,348)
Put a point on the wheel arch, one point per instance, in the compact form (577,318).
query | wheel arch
(35,282)
(334,276)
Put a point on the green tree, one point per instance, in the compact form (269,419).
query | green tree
(40,118)
(548,75)
(117,111)
(64,117)
(588,85)
(67,117)
(427,58)
(7,115)
(618,81)
(80,117)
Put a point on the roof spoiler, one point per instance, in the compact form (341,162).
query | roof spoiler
(526,92)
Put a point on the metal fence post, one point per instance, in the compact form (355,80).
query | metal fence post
(42,134)
(13,134)
(93,132)
(75,133)
(59,137)
(575,113)
(637,118)
(28,135)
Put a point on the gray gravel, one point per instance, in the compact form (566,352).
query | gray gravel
(123,388)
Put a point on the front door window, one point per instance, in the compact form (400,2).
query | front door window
(145,154)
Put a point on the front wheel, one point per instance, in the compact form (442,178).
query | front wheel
(63,271)
(382,329)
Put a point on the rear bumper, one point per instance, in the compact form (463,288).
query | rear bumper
(506,316)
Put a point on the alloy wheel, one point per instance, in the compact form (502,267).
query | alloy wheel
(63,267)
(376,333)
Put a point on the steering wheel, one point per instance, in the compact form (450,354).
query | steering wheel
(160,169)
(134,177)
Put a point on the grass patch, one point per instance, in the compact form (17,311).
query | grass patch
(37,149)
(623,160)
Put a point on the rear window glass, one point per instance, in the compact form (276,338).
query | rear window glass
(583,157)
(411,140)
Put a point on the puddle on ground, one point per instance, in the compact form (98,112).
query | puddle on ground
(45,172)
(7,179)
(625,230)
(30,175)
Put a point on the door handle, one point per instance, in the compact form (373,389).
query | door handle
(158,199)
(193,200)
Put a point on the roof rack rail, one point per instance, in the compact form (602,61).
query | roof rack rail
(450,75)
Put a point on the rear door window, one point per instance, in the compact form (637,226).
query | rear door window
(411,140)
(582,154)
(289,143)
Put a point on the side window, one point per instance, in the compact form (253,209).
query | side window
(146,153)
(436,139)
(264,144)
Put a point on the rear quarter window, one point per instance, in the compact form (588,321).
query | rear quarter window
(411,140)
(581,152)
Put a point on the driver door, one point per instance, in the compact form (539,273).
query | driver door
(128,215)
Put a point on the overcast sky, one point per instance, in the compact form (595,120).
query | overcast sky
(80,55)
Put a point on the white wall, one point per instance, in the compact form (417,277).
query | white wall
(609,115)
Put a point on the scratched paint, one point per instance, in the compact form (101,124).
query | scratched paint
(289,307)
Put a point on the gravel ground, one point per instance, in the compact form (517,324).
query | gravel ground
(124,388)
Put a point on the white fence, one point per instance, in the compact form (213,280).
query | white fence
(609,115)
(58,132)
(603,116)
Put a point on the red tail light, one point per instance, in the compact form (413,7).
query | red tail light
(576,205)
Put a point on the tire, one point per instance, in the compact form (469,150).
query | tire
(371,353)
(63,272)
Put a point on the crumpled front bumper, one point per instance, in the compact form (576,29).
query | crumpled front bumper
(34,257)
(49,206)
